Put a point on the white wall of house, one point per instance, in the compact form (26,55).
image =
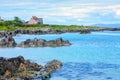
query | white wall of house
(38,21)
(32,21)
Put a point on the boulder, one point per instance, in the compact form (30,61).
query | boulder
(41,42)
(53,65)
(44,74)
(49,68)
(8,41)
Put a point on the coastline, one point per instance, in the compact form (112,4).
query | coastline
(42,32)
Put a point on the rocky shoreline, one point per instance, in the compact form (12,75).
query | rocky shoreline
(18,68)
(9,41)
(40,32)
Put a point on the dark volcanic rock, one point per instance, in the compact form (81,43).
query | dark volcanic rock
(18,68)
(43,43)
(8,41)
(14,66)
(53,65)
(49,68)
(85,32)
(49,31)
(6,33)
(37,32)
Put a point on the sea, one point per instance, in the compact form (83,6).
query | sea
(94,56)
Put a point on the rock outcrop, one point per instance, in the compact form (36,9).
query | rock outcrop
(18,68)
(6,33)
(43,43)
(49,68)
(85,32)
(49,31)
(8,41)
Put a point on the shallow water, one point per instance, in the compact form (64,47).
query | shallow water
(93,56)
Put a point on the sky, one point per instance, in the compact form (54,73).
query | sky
(66,12)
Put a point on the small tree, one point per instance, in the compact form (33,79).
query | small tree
(17,21)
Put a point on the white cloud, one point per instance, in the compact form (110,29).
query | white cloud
(22,4)
(79,10)
(118,12)
(115,9)
(79,19)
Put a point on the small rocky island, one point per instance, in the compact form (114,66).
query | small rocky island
(43,43)
(18,68)
(9,41)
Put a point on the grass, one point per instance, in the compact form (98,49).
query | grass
(44,26)
(5,28)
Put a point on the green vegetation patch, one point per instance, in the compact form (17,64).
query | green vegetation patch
(17,23)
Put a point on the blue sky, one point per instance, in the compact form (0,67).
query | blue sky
(69,12)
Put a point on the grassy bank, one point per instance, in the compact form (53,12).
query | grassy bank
(18,24)
(45,26)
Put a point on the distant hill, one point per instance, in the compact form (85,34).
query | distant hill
(108,25)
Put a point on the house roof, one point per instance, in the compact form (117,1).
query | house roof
(35,18)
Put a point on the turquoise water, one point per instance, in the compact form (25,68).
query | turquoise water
(93,56)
